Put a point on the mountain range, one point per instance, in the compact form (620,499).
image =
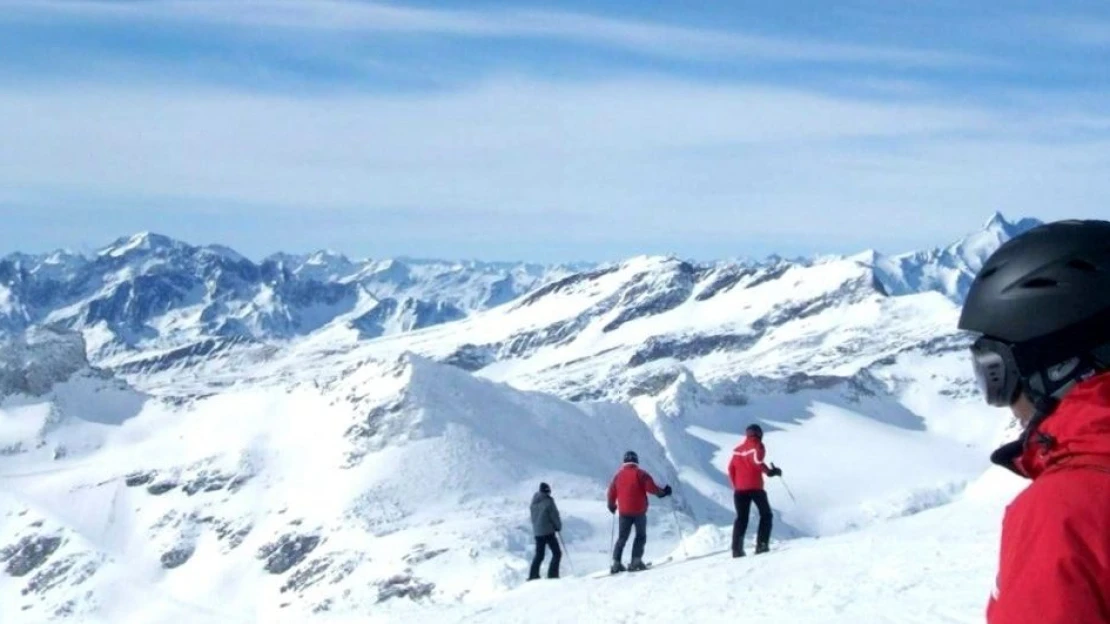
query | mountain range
(187,435)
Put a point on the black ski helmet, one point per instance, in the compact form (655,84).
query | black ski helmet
(631,457)
(545,488)
(1041,307)
(754,430)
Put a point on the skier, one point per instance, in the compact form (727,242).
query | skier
(545,524)
(746,471)
(1040,313)
(628,493)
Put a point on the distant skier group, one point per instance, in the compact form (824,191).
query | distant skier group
(627,499)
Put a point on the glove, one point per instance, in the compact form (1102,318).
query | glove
(666,492)
(612,509)
(775,471)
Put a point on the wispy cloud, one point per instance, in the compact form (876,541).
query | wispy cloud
(354,17)
(457,148)
(832,142)
(614,161)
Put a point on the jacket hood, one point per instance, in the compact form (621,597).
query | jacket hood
(1076,434)
(747,442)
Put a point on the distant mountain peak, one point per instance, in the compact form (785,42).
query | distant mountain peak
(322,256)
(999,224)
(996,220)
(141,241)
(949,270)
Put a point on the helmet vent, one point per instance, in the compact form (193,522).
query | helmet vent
(1082,265)
(1040,282)
(988,272)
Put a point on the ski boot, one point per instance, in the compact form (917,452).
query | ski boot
(762,547)
(616,567)
(736,554)
(637,565)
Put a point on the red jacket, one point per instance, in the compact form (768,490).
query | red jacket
(629,490)
(1055,555)
(746,469)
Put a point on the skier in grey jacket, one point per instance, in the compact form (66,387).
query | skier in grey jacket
(545,524)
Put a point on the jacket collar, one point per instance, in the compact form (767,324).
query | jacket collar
(1076,433)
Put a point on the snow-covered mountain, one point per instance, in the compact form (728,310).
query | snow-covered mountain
(330,473)
(150,293)
(949,270)
(149,302)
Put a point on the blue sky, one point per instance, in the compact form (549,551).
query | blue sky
(544,131)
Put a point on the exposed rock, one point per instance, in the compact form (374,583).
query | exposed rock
(161,487)
(653,384)
(136,479)
(404,586)
(204,350)
(233,532)
(420,555)
(684,348)
(471,357)
(645,297)
(208,481)
(178,556)
(770,274)
(32,362)
(287,551)
(801,381)
(367,434)
(12,449)
(30,553)
(58,572)
(723,281)
(564,284)
(307,576)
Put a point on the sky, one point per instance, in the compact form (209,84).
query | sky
(548,131)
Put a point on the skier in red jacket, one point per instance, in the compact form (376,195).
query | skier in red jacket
(1040,308)
(746,471)
(628,492)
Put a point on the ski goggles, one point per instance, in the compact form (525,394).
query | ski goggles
(996,371)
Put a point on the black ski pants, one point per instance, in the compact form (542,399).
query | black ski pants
(743,500)
(625,528)
(544,542)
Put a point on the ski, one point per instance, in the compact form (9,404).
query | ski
(667,561)
(647,566)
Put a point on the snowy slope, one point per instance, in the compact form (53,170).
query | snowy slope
(936,567)
(362,486)
(372,467)
(406,477)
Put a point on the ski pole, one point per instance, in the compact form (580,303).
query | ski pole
(681,535)
(677,524)
(788,490)
(613,535)
(566,552)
